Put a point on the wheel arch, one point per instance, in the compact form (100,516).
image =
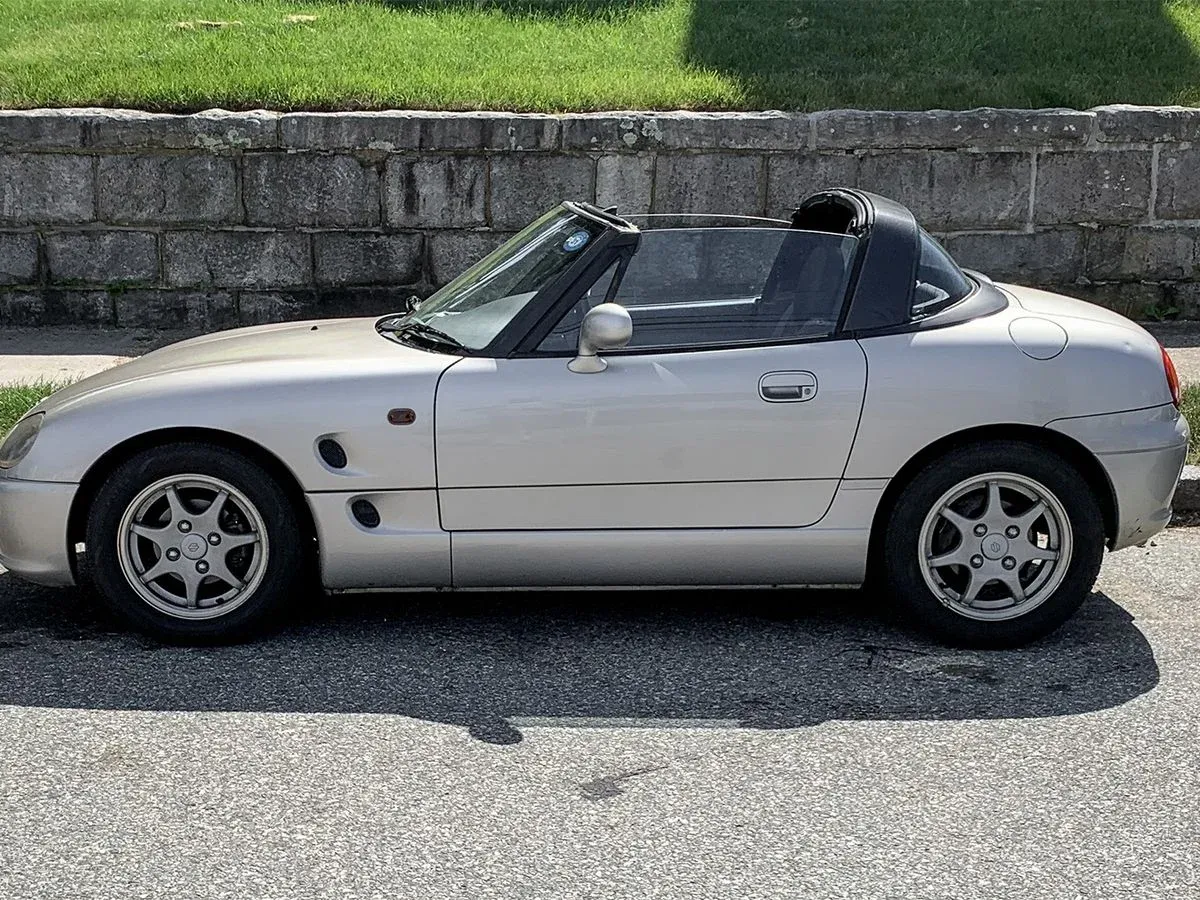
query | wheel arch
(1068,448)
(114,456)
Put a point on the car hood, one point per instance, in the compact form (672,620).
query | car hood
(327,347)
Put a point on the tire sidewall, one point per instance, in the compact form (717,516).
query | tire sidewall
(284,561)
(903,553)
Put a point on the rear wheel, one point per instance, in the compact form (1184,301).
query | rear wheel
(995,545)
(194,541)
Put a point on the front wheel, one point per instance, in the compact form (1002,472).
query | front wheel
(995,545)
(193,542)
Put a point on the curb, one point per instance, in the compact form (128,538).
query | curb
(1187,495)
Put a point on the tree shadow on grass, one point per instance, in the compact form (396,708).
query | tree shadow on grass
(494,663)
(918,54)
(956,54)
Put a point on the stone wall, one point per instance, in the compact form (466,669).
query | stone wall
(111,217)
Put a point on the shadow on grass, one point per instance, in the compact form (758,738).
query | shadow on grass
(882,53)
(495,663)
(815,54)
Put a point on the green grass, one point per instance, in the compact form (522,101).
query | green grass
(16,400)
(1191,409)
(598,54)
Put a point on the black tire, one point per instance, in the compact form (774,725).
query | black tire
(903,554)
(285,563)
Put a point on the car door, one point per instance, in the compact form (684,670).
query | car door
(712,420)
(740,438)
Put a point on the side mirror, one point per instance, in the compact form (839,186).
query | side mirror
(605,327)
(411,304)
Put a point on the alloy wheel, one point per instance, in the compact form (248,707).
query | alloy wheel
(995,546)
(193,546)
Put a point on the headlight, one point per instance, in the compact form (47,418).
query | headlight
(20,440)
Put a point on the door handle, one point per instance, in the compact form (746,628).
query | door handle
(787,387)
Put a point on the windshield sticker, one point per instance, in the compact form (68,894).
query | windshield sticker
(576,241)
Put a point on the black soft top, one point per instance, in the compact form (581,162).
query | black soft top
(880,294)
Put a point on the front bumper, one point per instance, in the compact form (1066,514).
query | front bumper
(33,530)
(1143,453)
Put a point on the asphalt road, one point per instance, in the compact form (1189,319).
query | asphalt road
(601,745)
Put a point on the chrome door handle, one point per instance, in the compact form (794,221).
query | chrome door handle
(787,387)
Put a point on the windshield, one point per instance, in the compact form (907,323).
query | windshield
(476,306)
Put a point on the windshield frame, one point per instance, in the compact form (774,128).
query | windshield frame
(534,310)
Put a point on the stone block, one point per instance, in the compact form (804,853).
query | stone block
(792,177)
(1153,252)
(45,187)
(264,307)
(1178,194)
(108,257)
(525,185)
(348,258)
(213,131)
(483,131)
(169,310)
(1103,186)
(363,301)
(851,129)
(195,188)
(1184,296)
(686,131)
(18,258)
(42,129)
(1125,123)
(436,191)
(246,259)
(506,132)
(78,307)
(387,130)
(21,307)
(1134,299)
(306,189)
(452,253)
(626,181)
(710,183)
(948,190)
(1053,256)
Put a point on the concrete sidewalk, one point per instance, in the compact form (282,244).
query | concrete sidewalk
(68,354)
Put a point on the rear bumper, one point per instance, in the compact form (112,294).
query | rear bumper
(33,530)
(1143,453)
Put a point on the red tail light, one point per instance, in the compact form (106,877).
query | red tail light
(1172,377)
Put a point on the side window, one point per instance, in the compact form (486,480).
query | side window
(940,282)
(703,287)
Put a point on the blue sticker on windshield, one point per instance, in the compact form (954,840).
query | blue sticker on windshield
(576,241)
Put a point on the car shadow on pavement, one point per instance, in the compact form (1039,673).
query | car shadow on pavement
(493,663)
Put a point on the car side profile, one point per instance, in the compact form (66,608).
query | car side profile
(627,402)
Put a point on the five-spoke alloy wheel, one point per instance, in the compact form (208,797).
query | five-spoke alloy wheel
(194,541)
(995,544)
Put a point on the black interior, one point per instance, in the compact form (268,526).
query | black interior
(830,213)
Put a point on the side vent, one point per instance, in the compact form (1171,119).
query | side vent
(332,453)
(365,513)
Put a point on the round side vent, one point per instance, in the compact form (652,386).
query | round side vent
(333,454)
(365,513)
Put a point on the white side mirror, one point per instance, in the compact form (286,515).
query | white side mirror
(605,327)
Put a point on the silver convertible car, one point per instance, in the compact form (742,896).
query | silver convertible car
(665,401)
